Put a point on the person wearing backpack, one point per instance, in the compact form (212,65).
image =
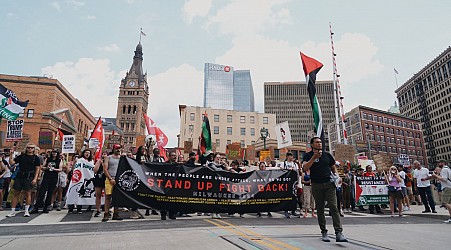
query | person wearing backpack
(26,177)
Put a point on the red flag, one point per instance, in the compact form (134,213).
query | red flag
(61,133)
(98,133)
(149,124)
(162,139)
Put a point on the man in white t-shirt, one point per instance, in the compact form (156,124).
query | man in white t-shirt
(422,177)
(289,164)
(443,174)
(405,200)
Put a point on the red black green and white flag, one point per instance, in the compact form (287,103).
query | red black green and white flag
(10,106)
(205,137)
(311,68)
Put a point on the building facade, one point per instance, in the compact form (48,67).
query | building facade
(226,88)
(50,106)
(427,96)
(133,101)
(289,101)
(227,126)
(380,132)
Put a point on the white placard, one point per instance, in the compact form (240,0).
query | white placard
(283,135)
(68,144)
(14,130)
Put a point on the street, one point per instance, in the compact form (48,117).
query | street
(82,231)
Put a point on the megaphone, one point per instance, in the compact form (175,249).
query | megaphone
(150,140)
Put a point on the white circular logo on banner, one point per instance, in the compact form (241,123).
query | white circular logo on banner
(129,181)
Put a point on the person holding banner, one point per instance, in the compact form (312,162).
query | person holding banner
(321,165)
(110,166)
(99,182)
(52,166)
(394,190)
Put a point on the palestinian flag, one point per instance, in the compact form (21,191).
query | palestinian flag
(10,106)
(62,132)
(205,136)
(311,68)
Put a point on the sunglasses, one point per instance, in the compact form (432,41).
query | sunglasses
(30,147)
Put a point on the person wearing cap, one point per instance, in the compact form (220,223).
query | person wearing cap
(322,165)
(110,165)
(443,174)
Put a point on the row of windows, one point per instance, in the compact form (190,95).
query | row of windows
(131,92)
(216,117)
(30,113)
(378,128)
(128,126)
(230,129)
(390,121)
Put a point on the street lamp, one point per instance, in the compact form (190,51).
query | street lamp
(264,134)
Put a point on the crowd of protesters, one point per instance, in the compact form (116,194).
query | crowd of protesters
(42,179)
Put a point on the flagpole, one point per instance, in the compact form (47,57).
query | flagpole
(140,34)
(336,106)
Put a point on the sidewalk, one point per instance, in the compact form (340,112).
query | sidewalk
(416,210)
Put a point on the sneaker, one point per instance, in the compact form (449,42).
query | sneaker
(241,215)
(269,214)
(116,217)
(26,214)
(324,237)
(199,214)
(124,209)
(45,211)
(287,215)
(259,214)
(11,214)
(426,211)
(97,214)
(448,220)
(34,211)
(147,212)
(434,212)
(105,218)
(154,212)
(79,212)
(339,237)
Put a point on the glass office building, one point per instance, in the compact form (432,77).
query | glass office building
(227,89)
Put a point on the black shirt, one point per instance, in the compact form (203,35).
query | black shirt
(55,164)
(320,170)
(27,163)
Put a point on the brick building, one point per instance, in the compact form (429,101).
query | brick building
(49,103)
(380,132)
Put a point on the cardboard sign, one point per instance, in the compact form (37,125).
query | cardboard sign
(344,152)
(93,143)
(383,161)
(250,154)
(22,144)
(234,151)
(264,155)
(14,130)
(187,146)
(45,139)
(68,144)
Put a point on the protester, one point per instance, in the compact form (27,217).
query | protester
(309,201)
(369,173)
(99,182)
(262,166)
(141,155)
(5,158)
(26,177)
(289,164)
(180,159)
(85,162)
(191,159)
(52,166)
(443,174)
(409,186)
(346,189)
(3,171)
(172,159)
(422,176)
(321,165)
(405,199)
(217,165)
(394,181)
(339,192)
(110,166)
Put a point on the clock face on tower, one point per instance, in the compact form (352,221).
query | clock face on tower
(131,83)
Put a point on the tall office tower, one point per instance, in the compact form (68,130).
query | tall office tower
(227,89)
(427,97)
(289,101)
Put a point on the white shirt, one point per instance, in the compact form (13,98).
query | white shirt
(292,164)
(446,174)
(421,174)
(402,174)
(8,172)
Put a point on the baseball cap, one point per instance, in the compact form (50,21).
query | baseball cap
(442,160)
(117,146)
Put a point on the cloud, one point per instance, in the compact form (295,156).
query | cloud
(109,48)
(9,14)
(195,8)
(56,6)
(75,3)
(242,17)
(90,17)
(177,85)
(88,76)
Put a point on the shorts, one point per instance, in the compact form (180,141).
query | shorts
(99,182)
(409,190)
(395,194)
(1,183)
(108,187)
(446,196)
(62,180)
(22,184)
(404,191)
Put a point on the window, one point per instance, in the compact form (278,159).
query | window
(242,144)
(30,113)
(229,118)
(243,119)
(265,120)
(229,130)
(243,131)
(21,114)
(191,128)
(216,130)
(216,118)
(252,119)
(252,142)
(229,142)
(252,131)
(218,142)
(192,116)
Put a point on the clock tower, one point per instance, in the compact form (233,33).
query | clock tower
(133,101)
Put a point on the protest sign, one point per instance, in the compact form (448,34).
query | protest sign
(68,144)
(370,190)
(283,135)
(14,130)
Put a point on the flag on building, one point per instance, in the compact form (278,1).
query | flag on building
(10,106)
(142,33)
(98,134)
(205,136)
(311,68)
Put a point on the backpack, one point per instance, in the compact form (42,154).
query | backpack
(15,172)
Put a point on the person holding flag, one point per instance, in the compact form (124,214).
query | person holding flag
(320,164)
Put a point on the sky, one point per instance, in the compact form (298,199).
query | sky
(89,45)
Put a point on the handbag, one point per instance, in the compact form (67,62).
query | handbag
(392,189)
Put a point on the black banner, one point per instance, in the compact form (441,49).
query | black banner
(177,187)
